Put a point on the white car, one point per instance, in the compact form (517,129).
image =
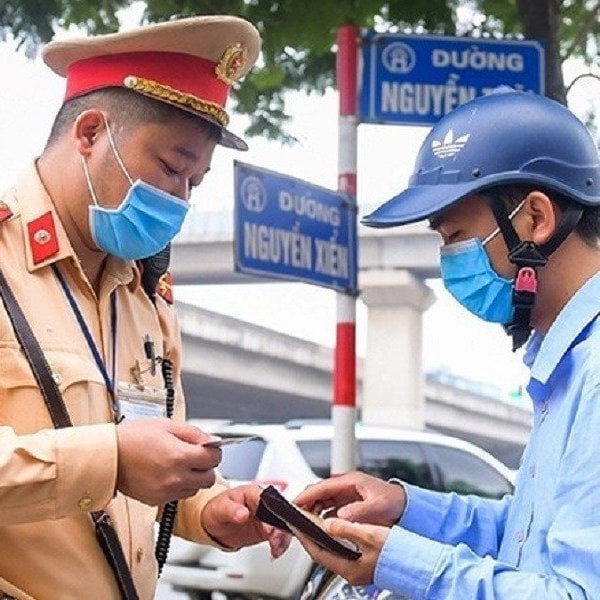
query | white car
(294,455)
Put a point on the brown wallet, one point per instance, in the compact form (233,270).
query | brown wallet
(275,510)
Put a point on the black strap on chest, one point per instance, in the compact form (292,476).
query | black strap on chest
(105,532)
(153,268)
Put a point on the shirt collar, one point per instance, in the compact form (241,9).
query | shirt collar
(35,204)
(544,353)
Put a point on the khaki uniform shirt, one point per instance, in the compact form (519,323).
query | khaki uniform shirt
(50,479)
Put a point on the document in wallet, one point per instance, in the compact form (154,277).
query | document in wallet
(275,510)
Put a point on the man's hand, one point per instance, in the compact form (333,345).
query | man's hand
(161,460)
(229,519)
(369,539)
(356,497)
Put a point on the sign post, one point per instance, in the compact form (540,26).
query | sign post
(343,412)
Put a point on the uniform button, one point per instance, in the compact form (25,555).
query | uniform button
(519,536)
(532,470)
(85,502)
(139,554)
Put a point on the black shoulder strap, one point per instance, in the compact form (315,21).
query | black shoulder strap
(105,532)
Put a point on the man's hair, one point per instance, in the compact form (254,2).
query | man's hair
(127,109)
(588,227)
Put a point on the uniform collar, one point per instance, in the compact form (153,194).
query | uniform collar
(544,353)
(45,238)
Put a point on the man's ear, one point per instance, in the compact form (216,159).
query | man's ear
(543,217)
(88,125)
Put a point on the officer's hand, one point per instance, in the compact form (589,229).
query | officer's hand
(229,519)
(161,460)
(369,539)
(356,497)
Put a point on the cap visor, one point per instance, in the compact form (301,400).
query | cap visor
(417,203)
(230,140)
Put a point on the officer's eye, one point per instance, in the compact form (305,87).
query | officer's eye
(168,169)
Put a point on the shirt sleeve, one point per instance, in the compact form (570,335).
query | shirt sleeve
(453,519)
(48,475)
(416,567)
(430,564)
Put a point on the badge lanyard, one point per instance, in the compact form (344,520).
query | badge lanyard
(109,381)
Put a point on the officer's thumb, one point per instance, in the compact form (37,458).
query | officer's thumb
(187,433)
(356,511)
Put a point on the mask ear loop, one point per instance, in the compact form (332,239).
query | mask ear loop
(88,178)
(496,231)
(113,147)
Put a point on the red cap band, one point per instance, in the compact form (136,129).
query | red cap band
(184,72)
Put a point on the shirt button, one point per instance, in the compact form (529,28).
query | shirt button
(139,554)
(84,502)
(519,536)
(532,471)
(544,407)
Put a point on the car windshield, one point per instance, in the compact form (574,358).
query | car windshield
(381,458)
(428,465)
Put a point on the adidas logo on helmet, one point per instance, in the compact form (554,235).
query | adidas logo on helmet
(449,146)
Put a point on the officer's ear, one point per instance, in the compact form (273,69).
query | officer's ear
(86,129)
(542,215)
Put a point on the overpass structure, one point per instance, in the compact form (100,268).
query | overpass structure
(236,370)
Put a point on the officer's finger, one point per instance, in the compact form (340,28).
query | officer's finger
(187,433)
(198,479)
(228,509)
(201,458)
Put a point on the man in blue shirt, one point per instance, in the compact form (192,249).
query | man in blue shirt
(511,182)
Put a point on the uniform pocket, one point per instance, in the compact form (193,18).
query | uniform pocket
(22,405)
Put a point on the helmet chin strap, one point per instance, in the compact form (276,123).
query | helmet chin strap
(528,257)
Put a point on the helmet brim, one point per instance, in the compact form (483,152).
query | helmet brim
(416,204)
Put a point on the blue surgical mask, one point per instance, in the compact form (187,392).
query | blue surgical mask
(147,219)
(470,278)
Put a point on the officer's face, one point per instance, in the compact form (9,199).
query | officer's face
(472,218)
(173,156)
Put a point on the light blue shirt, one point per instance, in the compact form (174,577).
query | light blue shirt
(543,543)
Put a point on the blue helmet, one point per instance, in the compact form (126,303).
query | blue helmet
(507,137)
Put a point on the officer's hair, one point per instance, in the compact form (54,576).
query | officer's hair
(588,227)
(127,109)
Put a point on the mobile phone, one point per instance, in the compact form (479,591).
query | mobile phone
(228,441)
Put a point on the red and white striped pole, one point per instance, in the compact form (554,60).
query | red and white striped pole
(344,379)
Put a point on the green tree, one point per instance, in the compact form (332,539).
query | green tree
(299,35)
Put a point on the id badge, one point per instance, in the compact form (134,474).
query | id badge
(135,404)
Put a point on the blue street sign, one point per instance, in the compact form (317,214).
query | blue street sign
(418,79)
(290,229)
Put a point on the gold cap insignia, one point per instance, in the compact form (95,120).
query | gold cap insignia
(232,62)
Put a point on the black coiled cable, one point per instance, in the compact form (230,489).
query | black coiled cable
(167,520)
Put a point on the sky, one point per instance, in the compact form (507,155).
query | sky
(453,339)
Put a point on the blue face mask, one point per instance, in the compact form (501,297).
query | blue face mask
(470,278)
(147,219)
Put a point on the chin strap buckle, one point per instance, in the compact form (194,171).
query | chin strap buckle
(524,291)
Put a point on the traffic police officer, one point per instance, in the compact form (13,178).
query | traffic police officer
(142,114)
(511,182)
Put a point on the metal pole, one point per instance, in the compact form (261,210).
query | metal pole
(344,381)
